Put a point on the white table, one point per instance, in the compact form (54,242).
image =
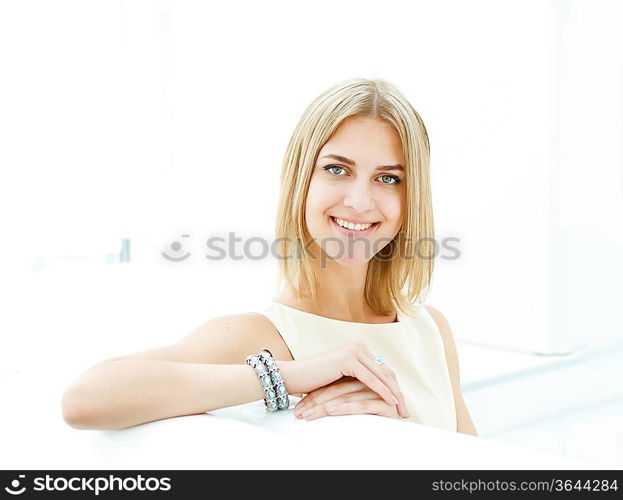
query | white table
(34,436)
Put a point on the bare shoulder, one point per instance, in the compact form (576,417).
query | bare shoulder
(448,341)
(464,421)
(439,318)
(271,337)
(226,339)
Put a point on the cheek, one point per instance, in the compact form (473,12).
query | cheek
(320,198)
(392,208)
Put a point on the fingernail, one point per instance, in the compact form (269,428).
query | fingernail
(308,412)
(395,400)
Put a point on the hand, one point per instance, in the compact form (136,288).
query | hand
(353,360)
(346,396)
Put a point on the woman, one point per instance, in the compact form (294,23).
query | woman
(347,330)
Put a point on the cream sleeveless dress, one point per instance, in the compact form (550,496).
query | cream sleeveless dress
(412,347)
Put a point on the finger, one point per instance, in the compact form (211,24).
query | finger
(329,393)
(359,391)
(368,406)
(383,372)
(313,411)
(320,410)
(317,392)
(373,381)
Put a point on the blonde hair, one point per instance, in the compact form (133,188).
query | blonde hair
(391,282)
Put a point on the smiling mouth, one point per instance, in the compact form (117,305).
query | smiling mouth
(367,230)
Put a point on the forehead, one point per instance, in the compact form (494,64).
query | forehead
(366,140)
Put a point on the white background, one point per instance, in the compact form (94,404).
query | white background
(148,120)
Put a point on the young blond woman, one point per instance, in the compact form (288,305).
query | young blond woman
(347,329)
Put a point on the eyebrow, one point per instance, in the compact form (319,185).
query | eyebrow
(350,162)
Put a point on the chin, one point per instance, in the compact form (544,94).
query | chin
(351,262)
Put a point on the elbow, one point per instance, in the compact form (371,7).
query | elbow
(74,419)
(76,414)
(82,413)
(72,413)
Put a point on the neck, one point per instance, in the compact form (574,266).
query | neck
(341,295)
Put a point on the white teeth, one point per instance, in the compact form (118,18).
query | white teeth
(350,225)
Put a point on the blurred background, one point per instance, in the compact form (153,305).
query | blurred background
(133,131)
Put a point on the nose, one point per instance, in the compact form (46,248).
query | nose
(359,197)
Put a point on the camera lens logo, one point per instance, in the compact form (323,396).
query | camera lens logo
(176,246)
(15,484)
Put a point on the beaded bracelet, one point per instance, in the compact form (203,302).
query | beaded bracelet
(279,385)
(270,396)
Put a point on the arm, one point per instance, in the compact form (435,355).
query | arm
(194,376)
(464,421)
(116,394)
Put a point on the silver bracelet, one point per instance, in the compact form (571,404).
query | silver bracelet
(270,396)
(279,386)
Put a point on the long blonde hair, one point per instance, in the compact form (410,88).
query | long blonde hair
(392,281)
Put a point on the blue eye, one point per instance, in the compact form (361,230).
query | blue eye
(392,177)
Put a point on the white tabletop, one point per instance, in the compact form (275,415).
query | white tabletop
(34,436)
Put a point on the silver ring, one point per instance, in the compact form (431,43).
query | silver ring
(379,359)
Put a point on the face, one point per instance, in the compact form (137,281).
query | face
(358,177)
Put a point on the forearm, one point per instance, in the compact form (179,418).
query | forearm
(121,393)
